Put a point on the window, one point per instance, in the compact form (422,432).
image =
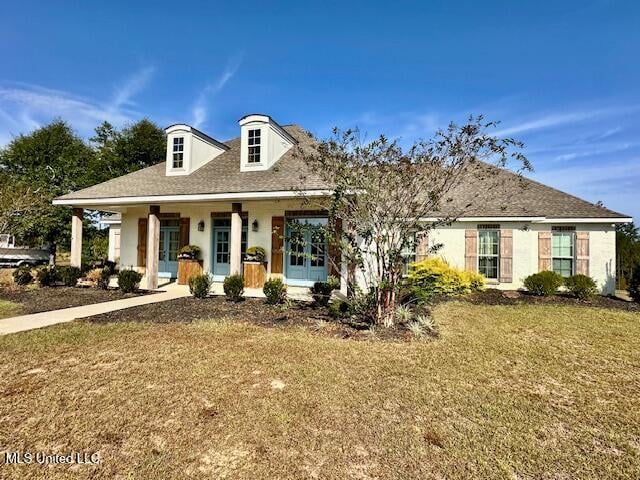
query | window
(488,251)
(408,254)
(254,146)
(562,250)
(178,152)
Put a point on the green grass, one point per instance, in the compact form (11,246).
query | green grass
(506,392)
(9,309)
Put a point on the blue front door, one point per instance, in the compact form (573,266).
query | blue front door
(168,251)
(221,250)
(306,260)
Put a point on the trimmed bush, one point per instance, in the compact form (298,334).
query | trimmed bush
(199,285)
(581,286)
(22,276)
(543,283)
(47,276)
(128,280)
(321,292)
(340,309)
(275,291)
(435,276)
(234,287)
(634,284)
(103,279)
(69,275)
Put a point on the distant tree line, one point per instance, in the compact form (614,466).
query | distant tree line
(627,253)
(53,160)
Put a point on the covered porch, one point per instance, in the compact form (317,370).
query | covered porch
(152,235)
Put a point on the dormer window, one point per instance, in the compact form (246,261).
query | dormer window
(254,146)
(178,152)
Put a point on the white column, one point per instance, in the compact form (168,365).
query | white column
(235,263)
(76,237)
(153,245)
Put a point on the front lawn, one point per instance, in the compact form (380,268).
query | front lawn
(9,309)
(515,392)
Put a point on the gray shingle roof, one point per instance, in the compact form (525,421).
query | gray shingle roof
(515,195)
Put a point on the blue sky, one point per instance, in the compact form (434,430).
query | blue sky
(563,77)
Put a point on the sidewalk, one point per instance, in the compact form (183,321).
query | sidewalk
(44,319)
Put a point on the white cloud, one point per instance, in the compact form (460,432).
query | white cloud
(200,110)
(24,107)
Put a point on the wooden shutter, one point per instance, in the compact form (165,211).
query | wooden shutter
(544,251)
(582,253)
(334,252)
(471,250)
(277,243)
(422,246)
(184,231)
(142,242)
(506,255)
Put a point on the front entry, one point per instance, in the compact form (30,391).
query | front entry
(221,246)
(168,248)
(306,261)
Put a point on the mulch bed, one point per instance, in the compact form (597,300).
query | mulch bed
(494,296)
(251,310)
(45,299)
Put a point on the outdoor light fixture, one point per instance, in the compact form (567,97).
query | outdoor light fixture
(201,226)
(254,225)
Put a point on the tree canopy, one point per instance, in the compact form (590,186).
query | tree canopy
(53,160)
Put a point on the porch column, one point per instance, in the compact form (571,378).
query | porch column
(76,237)
(153,243)
(235,262)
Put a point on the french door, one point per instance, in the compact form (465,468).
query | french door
(306,259)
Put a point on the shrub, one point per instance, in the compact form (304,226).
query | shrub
(128,280)
(403,314)
(69,275)
(256,254)
(22,275)
(339,309)
(47,276)
(190,251)
(543,283)
(581,286)
(275,291)
(199,285)
(103,280)
(234,287)
(321,292)
(334,282)
(634,284)
(435,276)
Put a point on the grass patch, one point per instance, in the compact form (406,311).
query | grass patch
(9,309)
(506,392)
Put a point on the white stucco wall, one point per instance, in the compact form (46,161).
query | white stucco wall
(602,245)
(525,238)
(262,211)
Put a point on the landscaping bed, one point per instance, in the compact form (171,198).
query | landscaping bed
(34,299)
(492,296)
(251,310)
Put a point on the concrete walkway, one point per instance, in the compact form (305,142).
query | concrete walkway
(44,319)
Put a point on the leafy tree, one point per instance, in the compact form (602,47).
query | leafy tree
(51,161)
(627,252)
(136,146)
(386,196)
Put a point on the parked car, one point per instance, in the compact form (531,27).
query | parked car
(12,256)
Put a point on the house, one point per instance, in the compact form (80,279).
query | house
(112,221)
(227,196)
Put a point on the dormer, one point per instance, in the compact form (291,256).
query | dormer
(188,149)
(263,142)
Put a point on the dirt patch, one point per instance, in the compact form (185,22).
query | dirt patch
(251,310)
(493,296)
(34,300)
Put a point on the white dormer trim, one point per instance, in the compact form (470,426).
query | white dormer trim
(197,149)
(274,142)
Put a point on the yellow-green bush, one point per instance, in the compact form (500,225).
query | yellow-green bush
(436,276)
